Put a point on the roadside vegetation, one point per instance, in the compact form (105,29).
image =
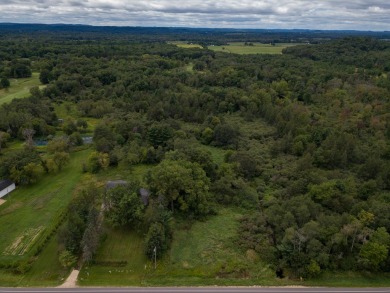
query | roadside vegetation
(151,163)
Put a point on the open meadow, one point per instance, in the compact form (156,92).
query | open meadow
(185,45)
(20,88)
(256,48)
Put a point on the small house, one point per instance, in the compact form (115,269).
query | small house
(6,186)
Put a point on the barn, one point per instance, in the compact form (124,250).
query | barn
(6,186)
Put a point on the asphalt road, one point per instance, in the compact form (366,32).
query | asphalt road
(194,290)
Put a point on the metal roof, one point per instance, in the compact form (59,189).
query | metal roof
(5,183)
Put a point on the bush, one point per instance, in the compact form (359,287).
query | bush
(67,259)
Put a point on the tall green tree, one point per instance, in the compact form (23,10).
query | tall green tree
(123,205)
(183,185)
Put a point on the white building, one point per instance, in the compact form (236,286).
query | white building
(6,186)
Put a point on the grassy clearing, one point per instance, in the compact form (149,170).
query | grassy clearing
(217,154)
(206,243)
(201,254)
(69,111)
(257,48)
(36,207)
(185,45)
(124,172)
(190,67)
(20,88)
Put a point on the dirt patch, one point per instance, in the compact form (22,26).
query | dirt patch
(2,201)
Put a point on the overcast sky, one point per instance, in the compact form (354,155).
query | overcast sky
(289,14)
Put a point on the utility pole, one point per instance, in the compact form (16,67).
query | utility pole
(155,257)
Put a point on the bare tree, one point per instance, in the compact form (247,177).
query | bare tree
(28,136)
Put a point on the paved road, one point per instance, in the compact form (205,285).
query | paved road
(195,290)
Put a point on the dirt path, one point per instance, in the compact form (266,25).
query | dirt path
(71,280)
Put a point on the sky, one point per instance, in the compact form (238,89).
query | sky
(262,14)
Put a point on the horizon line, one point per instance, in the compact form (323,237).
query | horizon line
(192,27)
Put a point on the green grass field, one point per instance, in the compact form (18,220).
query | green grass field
(257,48)
(20,88)
(31,212)
(185,45)
(201,254)
(119,245)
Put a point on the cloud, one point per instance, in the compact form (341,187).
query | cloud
(315,14)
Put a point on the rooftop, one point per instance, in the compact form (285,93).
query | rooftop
(5,183)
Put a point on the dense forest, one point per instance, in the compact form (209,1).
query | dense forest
(305,134)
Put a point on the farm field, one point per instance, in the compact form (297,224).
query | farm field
(257,48)
(32,212)
(20,88)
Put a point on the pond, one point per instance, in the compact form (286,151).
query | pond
(40,142)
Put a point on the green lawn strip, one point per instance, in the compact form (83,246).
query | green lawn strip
(36,208)
(119,245)
(350,279)
(20,88)
(46,270)
(257,48)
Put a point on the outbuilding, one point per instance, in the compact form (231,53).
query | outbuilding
(6,186)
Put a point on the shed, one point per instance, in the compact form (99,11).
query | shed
(6,186)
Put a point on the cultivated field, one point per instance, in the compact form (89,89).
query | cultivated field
(20,88)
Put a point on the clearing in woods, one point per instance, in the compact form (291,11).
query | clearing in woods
(20,88)
(255,48)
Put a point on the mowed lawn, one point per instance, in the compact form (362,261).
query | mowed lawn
(20,88)
(32,211)
(120,260)
(257,48)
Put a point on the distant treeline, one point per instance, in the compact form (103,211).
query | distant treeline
(205,36)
